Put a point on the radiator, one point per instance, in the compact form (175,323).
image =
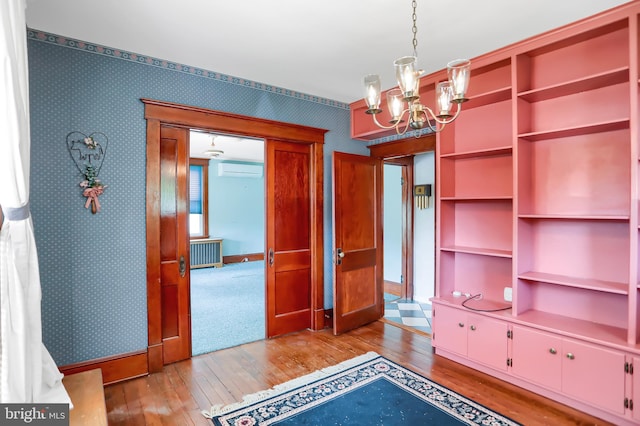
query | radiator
(206,253)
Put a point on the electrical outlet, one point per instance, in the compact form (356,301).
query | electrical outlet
(508,294)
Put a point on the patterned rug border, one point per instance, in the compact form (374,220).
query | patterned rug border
(218,410)
(354,364)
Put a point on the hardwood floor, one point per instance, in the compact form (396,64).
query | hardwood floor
(177,395)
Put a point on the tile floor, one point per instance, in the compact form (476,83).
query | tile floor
(409,313)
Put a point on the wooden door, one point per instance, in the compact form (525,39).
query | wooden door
(288,237)
(174,245)
(357,224)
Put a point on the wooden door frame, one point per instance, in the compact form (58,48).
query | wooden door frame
(402,153)
(158,113)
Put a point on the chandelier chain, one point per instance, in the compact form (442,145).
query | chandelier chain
(414,29)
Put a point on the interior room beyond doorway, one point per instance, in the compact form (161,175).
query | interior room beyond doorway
(226,219)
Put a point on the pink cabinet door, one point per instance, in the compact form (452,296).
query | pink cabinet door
(450,329)
(593,374)
(487,341)
(537,357)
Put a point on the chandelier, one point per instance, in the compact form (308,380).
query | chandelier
(406,99)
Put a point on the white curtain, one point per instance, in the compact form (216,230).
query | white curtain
(28,373)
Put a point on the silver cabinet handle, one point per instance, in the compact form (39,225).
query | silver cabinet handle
(473,328)
(571,356)
(553,351)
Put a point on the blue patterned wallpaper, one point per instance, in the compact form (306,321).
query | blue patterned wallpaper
(93,267)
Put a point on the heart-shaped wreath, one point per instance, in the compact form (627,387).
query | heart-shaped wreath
(87,153)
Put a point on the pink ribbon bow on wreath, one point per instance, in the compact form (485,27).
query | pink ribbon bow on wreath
(92,194)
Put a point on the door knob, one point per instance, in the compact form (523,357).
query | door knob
(340,255)
(182,267)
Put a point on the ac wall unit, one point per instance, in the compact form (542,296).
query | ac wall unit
(240,170)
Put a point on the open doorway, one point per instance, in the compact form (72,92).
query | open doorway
(393,226)
(409,241)
(227,234)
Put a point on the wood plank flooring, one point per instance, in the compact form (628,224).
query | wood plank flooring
(177,395)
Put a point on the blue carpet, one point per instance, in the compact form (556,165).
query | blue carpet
(227,306)
(368,390)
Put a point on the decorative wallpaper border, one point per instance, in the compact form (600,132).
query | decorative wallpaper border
(161,63)
(412,134)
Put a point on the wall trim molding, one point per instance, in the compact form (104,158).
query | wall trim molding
(238,258)
(114,53)
(116,368)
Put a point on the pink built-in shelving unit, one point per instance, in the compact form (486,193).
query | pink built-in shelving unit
(537,191)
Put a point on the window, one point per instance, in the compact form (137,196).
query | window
(198,198)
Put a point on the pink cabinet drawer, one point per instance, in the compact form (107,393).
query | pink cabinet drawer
(537,357)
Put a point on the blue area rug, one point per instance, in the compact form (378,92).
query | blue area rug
(367,390)
(227,306)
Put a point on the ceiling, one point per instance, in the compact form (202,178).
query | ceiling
(232,148)
(321,48)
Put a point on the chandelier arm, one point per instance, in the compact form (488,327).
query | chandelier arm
(428,113)
(406,125)
(446,120)
(375,119)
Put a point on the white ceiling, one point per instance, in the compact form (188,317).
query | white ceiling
(321,48)
(233,148)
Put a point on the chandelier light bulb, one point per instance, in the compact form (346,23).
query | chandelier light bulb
(444,95)
(407,76)
(458,72)
(395,104)
(372,93)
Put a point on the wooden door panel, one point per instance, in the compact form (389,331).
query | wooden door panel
(358,288)
(174,245)
(359,259)
(287,261)
(356,292)
(292,293)
(292,198)
(170,311)
(288,237)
